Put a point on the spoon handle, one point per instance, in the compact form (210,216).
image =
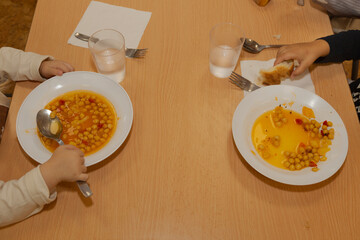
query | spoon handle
(83,186)
(274,46)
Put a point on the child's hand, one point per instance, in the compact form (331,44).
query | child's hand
(66,164)
(304,53)
(50,68)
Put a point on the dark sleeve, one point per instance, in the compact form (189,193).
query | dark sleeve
(343,46)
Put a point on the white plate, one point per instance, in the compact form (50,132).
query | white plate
(48,90)
(266,99)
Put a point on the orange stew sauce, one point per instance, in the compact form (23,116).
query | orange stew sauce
(88,119)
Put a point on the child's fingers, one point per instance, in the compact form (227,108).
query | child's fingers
(83,177)
(64,67)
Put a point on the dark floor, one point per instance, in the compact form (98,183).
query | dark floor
(15,21)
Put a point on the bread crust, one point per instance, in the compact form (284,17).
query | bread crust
(277,73)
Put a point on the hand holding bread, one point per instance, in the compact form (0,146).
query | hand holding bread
(304,53)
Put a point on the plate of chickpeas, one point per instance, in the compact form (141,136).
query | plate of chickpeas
(96,115)
(290,135)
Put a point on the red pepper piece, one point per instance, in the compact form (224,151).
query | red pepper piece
(85,142)
(61,102)
(299,121)
(100,125)
(91,100)
(325,123)
(312,164)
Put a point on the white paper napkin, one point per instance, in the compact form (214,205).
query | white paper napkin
(130,22)
(250,69)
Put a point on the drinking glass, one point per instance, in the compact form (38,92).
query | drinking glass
(226,41)
(107,47)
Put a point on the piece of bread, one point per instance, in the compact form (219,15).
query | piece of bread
(277,73)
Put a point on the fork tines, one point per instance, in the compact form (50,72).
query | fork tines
(235,79)
(136,53)
(242,82)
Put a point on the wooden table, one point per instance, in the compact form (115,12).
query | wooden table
(179,174)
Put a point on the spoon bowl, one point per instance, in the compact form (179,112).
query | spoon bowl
(252,46)
(50,126)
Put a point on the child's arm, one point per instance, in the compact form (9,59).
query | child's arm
(19,65)
(25,197)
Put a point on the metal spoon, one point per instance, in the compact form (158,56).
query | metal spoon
(254,47)
(52,128)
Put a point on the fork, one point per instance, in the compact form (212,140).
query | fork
(129,52)
(242,82)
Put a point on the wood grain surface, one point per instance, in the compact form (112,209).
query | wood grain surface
(179,174)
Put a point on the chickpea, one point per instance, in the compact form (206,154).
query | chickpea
(278,124)
(329,123)
(314,144)
(291,160)
(301,150)
(298,166)
(95,120)
(286,164)
(287,154)
(293,155)
(261,147)
(292,167)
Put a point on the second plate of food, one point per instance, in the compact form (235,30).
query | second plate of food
(104,89)
(294,99)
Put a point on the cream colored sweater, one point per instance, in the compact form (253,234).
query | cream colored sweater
(21,198)
(18,65)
